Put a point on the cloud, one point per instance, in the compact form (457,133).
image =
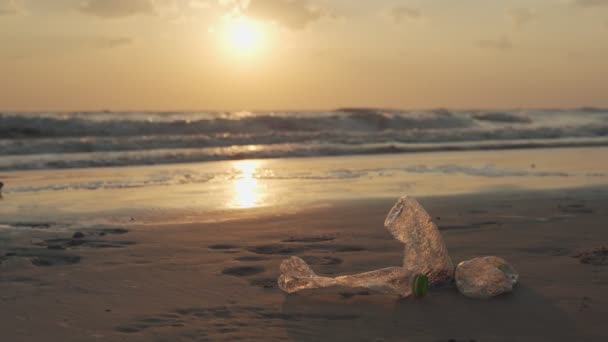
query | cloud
(503,43)
(10,7)
(400,14)
(591,3)
(117,8)
(109,42)
(293,14)
(521,16)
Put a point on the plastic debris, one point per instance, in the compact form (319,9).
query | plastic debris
(425,255)
(426,263)
(485,277)
(425,252)
(296,275)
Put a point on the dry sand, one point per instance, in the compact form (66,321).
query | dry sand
(217,281)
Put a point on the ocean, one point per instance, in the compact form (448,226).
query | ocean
(30,141)
(111,167)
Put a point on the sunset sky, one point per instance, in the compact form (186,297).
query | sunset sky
(301,54)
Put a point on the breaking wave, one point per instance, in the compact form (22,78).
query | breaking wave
(70,140)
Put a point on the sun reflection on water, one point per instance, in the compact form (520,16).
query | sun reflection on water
(248,192)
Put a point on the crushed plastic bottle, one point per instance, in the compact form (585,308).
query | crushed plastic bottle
(425,255)
(485,277)
(425,252)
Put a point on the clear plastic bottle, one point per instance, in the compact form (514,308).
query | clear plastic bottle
(425,262)
(297,275)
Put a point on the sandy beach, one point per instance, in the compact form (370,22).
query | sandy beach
(214,279)
(303,171)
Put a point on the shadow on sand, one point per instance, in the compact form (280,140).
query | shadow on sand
(444,315)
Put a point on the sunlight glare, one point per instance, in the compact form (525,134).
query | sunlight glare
(243,35)
(247,191)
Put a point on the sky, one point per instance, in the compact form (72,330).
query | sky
(171,55)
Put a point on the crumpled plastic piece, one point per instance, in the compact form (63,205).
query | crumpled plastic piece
(425,254)
(485,277)
(296,275)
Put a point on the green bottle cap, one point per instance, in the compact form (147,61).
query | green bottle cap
(420,285)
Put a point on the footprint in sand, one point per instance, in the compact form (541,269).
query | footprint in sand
(265,283)
(162,321)
(250,258)
(112,231)
(222,247)
(33,225)
(274,249)
(345,249)
(51,252)
(59,244)
(84,240)
(243,271)
(577,208)
(223,320)
(42,257)
(310,239)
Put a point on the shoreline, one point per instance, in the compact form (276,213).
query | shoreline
(186,192)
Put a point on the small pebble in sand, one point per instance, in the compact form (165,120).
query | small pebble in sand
(243,271)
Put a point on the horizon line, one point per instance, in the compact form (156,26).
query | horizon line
(336,109)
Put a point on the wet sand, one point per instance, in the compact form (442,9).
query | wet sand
(217,281)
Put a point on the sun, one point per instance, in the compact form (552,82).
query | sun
(243,35)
